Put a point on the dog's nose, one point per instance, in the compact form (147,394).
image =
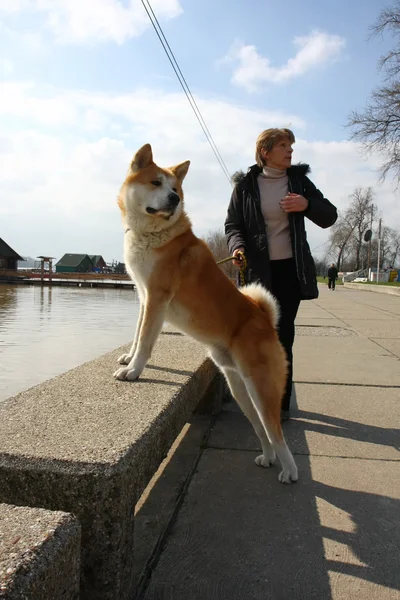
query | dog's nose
(173,200)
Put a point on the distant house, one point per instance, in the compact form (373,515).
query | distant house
(74,263)
(120,268)
(98,261)
(8,257)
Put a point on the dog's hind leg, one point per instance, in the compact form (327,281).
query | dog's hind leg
(266,396)
(261,362)
(238,390)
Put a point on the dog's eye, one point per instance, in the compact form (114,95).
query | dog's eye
(174,190)
(156,183)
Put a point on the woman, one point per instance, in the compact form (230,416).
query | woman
(265,221)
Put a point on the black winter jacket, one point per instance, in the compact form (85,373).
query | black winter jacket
(332,273)
(245,226)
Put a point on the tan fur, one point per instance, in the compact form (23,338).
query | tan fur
(179,280)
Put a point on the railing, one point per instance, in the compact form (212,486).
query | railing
(352,276)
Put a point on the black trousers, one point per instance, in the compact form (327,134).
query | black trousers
(286,289)
(331,282)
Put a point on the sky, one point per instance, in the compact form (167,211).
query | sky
(85,83)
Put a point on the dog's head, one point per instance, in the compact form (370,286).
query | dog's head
(152,192)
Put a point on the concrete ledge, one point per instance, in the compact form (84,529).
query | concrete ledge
(87,444)
(370,287)
(39,554)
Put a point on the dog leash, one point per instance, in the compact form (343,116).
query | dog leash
(242,268)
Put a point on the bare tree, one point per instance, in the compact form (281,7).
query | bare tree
(359,216)
(394,241)
(390,247)
(377,127)
(320,266)
(216,241)
(340,235)
(347,235)
(385,245)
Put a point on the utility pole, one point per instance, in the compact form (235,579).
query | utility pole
(370,241)
(379,250)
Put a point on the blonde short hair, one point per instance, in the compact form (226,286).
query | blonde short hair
(267,140)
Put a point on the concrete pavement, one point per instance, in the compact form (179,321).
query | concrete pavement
(230,531)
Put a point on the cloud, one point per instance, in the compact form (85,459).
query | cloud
(145,112)
(59,179)
(24,41)
(13,6)
(21,100)
(94,21)
(253,70)
(6,66)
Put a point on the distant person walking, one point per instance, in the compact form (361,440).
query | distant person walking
(332,276)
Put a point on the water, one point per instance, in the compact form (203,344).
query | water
(45,331)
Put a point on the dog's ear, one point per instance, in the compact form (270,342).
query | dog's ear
(142,159)
(180,170)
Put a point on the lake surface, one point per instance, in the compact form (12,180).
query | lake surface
(46,330)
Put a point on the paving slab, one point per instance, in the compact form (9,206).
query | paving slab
(365,313)
(313,311)
(393,345)
(352,298)
(241,535)
(328,321)
(329,421)
(352,360)
(376,328)
(312,329)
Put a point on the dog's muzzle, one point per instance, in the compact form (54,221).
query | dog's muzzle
(173,201)
(168,209)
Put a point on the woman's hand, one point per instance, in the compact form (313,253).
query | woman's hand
(294,203)
(238,261)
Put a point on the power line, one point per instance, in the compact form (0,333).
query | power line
(185,87)
(174,63)
(320,246)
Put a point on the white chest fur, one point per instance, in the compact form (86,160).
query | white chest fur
(139,260)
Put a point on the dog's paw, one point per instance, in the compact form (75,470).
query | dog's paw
(265,460)
(288,476)
(126,374)
(125,359)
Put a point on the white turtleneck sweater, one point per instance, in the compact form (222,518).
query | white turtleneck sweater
(273,186)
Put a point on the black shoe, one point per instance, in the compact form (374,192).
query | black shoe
(285,415)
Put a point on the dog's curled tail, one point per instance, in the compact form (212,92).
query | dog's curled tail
(264,299)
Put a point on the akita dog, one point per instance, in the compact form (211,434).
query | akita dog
(179,281)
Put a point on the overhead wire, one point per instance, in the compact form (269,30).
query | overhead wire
(320,246)
(174,63)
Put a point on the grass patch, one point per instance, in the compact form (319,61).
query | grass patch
(320,279)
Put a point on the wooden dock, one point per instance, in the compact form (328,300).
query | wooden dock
(91,280)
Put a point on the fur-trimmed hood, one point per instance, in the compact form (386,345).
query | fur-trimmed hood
(301,169)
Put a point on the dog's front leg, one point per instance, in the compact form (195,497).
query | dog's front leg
(125,359)
(150,327)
